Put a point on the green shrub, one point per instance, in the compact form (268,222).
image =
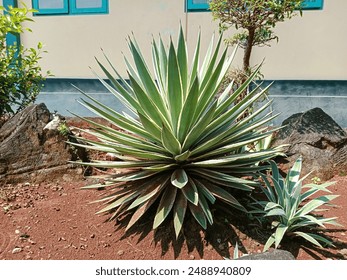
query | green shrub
(181,148)
(291,209)
(20,73)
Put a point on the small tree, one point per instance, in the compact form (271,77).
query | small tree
(255,19)
(20,73)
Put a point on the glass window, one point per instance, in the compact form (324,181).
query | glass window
(70,7)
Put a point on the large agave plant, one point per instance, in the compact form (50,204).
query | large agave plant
(181,148)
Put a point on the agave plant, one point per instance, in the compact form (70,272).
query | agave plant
(180,147)
(292,209)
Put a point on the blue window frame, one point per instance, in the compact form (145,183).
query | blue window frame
(202,5)
(312,4)
(197,5)
(70,7)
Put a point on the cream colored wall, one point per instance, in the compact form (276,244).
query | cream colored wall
(310,47)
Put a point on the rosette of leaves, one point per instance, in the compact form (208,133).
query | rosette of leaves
(292,207)
(181,148)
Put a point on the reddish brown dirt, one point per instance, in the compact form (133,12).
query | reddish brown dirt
(54,221)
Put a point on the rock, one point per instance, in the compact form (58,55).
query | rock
(273,255)
(318,139)
(16,250)
(30,152)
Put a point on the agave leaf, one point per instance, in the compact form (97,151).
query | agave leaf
(126,198)
(276,212)
(117,119)
(315,188)
(186,118)
(170,142)
(179,212)
(174,88)
(146,78)
(153,189)
(199,128)
(190,191)
(270,205)
(205,191)
(159,67)
(205,208)
(166,202)
(142,210)
(151,127)
(280,231)
(225,196)
(225,179)
(198,214)
(183,61)
(271,240)
(183,157)
(209,90)
(310,237)
(210,61)
(150,107)
(315,203)
(179,178)
(195,63)
(293,175)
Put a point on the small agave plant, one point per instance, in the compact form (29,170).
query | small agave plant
(181,148)
(293,208)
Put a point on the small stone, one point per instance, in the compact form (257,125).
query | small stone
(192,257)
(92,235)
(17,231)
(120,252)
(16,250)
(83,246)
(342,233)
(31,242)
(343,252)
(42,247)
(83,239)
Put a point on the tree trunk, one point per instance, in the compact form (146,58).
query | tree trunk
(248,50)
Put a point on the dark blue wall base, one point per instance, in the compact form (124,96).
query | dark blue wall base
(290,97)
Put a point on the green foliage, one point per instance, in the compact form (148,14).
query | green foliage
(290,207)
(181,149)
(253,19)
(64,129)
(20,72)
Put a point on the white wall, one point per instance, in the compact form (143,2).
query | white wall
(310,47)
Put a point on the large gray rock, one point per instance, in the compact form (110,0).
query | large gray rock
(28,152)
(318,139)
(273,255)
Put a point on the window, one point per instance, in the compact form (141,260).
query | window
(202,5)
(197,5)
(70,7)
(312,4)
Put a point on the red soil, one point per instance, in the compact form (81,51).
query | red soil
(54,221)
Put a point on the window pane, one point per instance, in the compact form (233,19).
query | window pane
(200,1)
(51,4)
(82,4)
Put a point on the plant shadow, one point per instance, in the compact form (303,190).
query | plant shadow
(229,228)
